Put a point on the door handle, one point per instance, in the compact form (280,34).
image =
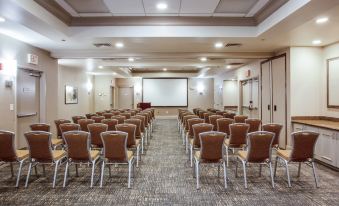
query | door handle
(275,107)
(268,107)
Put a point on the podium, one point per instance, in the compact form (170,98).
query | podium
(144,105)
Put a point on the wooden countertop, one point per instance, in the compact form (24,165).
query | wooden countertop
(327,124)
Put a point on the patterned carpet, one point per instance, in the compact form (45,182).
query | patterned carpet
(165,178)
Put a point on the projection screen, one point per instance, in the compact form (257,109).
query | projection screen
(165,92)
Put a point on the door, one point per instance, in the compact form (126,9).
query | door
(246,97)
(326,149)
(28,103)
(125,98)
(266,92)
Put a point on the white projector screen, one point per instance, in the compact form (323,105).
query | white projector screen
(165,92)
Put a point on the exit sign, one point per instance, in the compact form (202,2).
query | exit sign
(1,66)
(32,59)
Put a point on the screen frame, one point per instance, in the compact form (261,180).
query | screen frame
(142,98)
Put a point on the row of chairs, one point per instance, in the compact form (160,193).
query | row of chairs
(82,142)
(253,146)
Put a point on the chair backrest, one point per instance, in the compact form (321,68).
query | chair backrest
(76,118)
(142,119)
(57,125)
(130,130)
(39,145)
(97,119)
(115,113)
(7,146)
(110,124)
(220,113)
(84,123)
(66,127)
(100,113)
(211,149)
(191,122)
(200,128)
(115,146)
(185,114)
(126,114)
(136,122)
(40,127)
(276,129)
(207,117)
(107,115)
(229,115)
(133,113)
(90,115)
(121,119)
(238,133)
(259,146)
(78,145)
(303,144)
(95,131)
(213,120)
(240,118)
(223,125)
(254,124)
(201,114)
(186,118)
(146,118)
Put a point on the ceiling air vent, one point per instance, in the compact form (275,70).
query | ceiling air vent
(233,45)
(99,45)
(236,64)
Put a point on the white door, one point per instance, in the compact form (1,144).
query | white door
(246,97)
(278,69)
(326,149)
(265,93)
(125,98)
(28,103)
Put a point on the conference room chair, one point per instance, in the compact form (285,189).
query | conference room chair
(142,127)
(132,142)
(95,131)
(115,152)
(115,113)
(40,152)
(79,152)
(258,152)
(303,144)
(223,125)
(149,120)
(76,118)
(66,127)
(207,117)
(84,123)
(100,113)
(121,119)
(147,124)
(46,128)
(276,129)
(201,114)
(195,111)
(133,113)
(186,129)
(180,115)
(58,122)
(213,120)
(254,124)
(240,118)
(138,134)
(237,138)
(126,114)
(110,124)
(90,115)
(211,152)
(194,143)
(229,115)
(190,123)
(98,119)
(108,115)
(8,153)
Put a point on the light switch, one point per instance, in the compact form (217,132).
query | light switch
(11,107)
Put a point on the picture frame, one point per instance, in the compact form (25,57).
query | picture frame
(71,94)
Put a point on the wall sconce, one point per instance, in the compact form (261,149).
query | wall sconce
(138,89)
(89,86)
(200,89)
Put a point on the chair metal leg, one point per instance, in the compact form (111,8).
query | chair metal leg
(225,173)
(191,155)
(260,168)
(36,170)
(55,173)
(227,155)
(218,170)
(142,145)
(315,175)
(12,170)
(236,168)
(129,173)
(245,177)
(197,173)
(275,166)
(66,173)
(43,170)
(110,172)
(299,168)
(287,173)
(93,169)
(103,172)
(19,174)
(271,173)
(76,170)
(186,143)
(28,174)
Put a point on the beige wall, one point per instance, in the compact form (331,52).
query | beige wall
(103,92)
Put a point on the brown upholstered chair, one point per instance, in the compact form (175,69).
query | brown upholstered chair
(303,144)
(57,125)
(211,152)
(223,125)
(258,152)
(181,128)
(240,118)
(78,152)
(108,115)
(213,120)
(95,131)
(237,138)
(276,129)
(84,124)
(186,129)
(46,128)
(132,142)
(138,134)
(142,126)
(195,141)
(110,124)
(207,117)
(97,119)
(121,119)
(90,115)
(149,120)
(220,113)
(147,124)
(115,113)
(66,127)
(254,124)
(127,115)
(201,114)
(40,152)
(8,153)
(229,115)
(76,118)
(100,113)
(115,152)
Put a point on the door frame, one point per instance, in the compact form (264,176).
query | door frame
(241,91)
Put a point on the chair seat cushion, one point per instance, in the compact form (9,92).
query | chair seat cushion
(137,143)
(56,141)
(227,143)
(58,154)
(285,154)
(129,155)
(197,155)
(94,154)
(22,154)
(242,154)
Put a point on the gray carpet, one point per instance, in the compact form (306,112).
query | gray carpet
(165,178)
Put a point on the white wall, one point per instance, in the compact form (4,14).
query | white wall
(102,92)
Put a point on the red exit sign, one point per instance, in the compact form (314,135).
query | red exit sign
(1,66)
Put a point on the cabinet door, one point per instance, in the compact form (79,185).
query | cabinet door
(325,151)
(266,93)
(297,127)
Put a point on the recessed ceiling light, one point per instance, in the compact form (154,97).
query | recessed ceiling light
(2,19)
(162,6)
(228,66)
(321,20)
(164,69)
(218,45)
(203,59)
(100,67)
(131,59)
(119,45)
(316,42)
(114,73)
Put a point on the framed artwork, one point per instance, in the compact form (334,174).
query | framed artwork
(71,95)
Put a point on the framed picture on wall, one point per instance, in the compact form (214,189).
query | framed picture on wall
(71,95)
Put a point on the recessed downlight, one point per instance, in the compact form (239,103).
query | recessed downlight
(321,20)
(164,69)
(162,6)
(119,45)
(131,59)
(2,19)
(114,73)
(316,42)
(203,59)
(100,67)
(228,66)
(218,45)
